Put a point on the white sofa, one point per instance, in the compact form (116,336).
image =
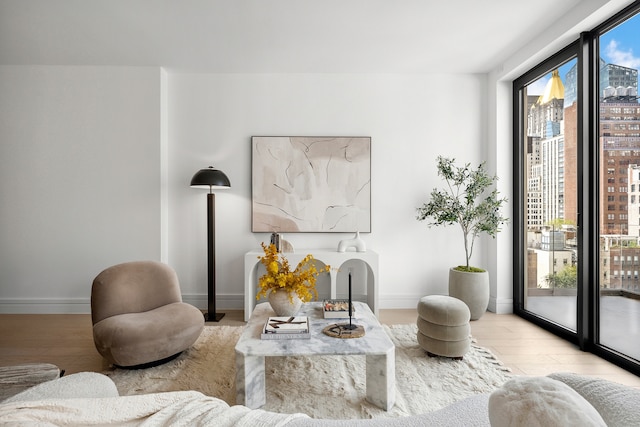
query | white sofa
(91,398)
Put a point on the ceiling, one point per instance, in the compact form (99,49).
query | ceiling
(274,36)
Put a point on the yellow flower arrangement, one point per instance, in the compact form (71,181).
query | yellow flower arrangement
(279,276)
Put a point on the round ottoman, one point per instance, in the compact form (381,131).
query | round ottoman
(443,326)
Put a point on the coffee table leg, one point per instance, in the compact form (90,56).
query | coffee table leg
(381,380)
(250,384)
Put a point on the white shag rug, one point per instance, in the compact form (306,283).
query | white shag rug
(330,387)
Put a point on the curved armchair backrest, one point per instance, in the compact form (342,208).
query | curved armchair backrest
(133,287)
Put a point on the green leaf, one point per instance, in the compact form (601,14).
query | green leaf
(462,201)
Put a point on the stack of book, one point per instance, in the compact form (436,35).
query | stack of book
(337,309)
(279,328)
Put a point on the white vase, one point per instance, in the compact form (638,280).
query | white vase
(472,289)
(281,304)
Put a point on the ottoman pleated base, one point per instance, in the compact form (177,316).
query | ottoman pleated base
(443,326)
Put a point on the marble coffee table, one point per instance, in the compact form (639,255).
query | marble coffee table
(375,345)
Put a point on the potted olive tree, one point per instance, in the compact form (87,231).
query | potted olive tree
(466,200)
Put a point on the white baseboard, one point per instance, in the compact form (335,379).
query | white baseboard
(501,306)
(45,306)
(399,301)
(83,305)
(223,302)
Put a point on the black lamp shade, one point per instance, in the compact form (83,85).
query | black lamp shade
(210,178)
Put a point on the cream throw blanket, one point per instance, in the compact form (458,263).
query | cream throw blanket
(182,408)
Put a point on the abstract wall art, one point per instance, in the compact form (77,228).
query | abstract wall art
(311,184)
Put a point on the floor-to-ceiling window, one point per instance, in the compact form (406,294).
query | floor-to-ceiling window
(577,191)
(618,145)
(547,98)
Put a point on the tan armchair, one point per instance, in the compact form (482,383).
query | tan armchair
(138,315)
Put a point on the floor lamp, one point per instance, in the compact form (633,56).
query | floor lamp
(212,179)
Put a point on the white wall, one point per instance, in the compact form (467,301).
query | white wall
(96,163)
(79,180)
(411,119)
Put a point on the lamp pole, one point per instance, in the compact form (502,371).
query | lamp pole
(211,315)
(211,178)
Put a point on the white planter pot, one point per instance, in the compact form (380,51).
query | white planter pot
(280,303)
(472,288)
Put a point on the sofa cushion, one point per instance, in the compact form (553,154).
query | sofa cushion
(540,401)
(616,403)
(468,412)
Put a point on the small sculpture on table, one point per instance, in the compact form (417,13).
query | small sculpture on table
(347,330)
(356,242)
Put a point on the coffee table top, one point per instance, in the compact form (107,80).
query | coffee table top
(374,342)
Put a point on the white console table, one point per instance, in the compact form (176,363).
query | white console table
(328,256)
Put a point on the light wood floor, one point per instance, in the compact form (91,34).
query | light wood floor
(65,340)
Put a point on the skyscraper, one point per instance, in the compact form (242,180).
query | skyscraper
(545,155)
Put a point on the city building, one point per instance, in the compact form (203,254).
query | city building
(619,130)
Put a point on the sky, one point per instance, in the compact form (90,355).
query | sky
(620,46)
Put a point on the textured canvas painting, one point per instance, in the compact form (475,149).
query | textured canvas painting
(311,184)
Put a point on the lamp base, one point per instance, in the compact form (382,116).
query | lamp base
(213,317)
